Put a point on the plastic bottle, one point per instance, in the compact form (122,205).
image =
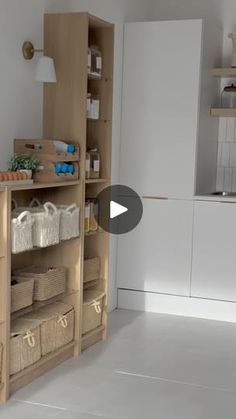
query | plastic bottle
(62,147)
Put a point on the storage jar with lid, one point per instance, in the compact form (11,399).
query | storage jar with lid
(96,62)
(228,97)
(94,163)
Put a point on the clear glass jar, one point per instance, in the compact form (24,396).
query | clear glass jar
(87,217)
(228,97)
(95,165)
(96,62)
(89,60)
(93,106)
(87,165)
(93,224)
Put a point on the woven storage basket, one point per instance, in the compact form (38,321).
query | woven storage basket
(21,234)
(92,310)
(25,344)
(48,282)
(1,359)
(22,294)
(57,326)
(46,225)
(69,221)
(91,269)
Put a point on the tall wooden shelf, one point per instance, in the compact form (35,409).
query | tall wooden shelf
(66,39)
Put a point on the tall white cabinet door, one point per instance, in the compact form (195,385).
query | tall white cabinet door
(160,106)
(214,251)
(156,256)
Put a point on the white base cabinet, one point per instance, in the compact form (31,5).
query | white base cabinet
(156,256)
(214,251)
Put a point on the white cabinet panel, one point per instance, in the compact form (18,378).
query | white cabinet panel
(162,63)
(156,256)
(214,251)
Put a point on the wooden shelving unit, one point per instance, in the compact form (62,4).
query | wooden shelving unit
(66,39)
(223,112)
(229,72)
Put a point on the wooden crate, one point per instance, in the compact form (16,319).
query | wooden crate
(45,150)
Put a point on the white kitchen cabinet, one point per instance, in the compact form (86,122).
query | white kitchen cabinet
(162,62)
(156,256)
(214,251)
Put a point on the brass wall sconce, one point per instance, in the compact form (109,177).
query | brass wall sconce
(45,71)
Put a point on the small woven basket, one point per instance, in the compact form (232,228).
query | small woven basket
(22,294)
(57,326)
(46,225)
(92,310)
(25,344)
(21,234)
(48,282)
(91,269)
(69,221)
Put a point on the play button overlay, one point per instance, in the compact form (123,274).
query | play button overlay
(116,209)
(120,209)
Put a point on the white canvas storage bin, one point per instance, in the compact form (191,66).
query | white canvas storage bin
(25,348)
(57,326)
(46,225)
(69,221)
(22,233)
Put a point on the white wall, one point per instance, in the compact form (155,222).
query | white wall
(21,95)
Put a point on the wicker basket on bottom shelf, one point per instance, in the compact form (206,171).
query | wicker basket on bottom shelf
(57,326)
(91,269)
(48,282)
(92,310)
(25,344)
(21,294)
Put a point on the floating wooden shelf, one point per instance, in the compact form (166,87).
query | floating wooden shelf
(88,181)
(223,112)
(45,364)
(223,72)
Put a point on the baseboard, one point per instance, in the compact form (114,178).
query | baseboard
(180,306)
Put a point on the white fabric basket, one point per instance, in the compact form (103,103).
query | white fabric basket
(46,225)
(69,221)
(22,238)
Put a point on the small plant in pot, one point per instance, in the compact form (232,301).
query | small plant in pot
(24,163)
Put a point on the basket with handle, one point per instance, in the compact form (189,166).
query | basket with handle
(46,225)
(48,281)
(57,326)
(25,348)
(69,221)
(22,232)
(92,310)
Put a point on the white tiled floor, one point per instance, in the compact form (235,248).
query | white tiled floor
(152,367)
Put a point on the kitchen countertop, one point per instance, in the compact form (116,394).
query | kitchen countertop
(215,198)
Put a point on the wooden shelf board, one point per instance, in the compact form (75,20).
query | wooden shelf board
(223,112)
(41,367)
(91,181)
(35,249)
(37,305)
(223,72)
(37,185)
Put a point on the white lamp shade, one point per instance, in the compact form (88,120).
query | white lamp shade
(45,71)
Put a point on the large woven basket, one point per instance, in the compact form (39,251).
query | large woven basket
(25,344)
(1,356)
(91,269)
(92,310)
(57,326)
(48,282)
(21,232)
(21,294)
(46,227)
(69,221)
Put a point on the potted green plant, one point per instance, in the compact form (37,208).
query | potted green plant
(24,163)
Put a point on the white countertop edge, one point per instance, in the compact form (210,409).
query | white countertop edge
(215,198)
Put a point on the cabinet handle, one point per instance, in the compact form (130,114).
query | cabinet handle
(156,197)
